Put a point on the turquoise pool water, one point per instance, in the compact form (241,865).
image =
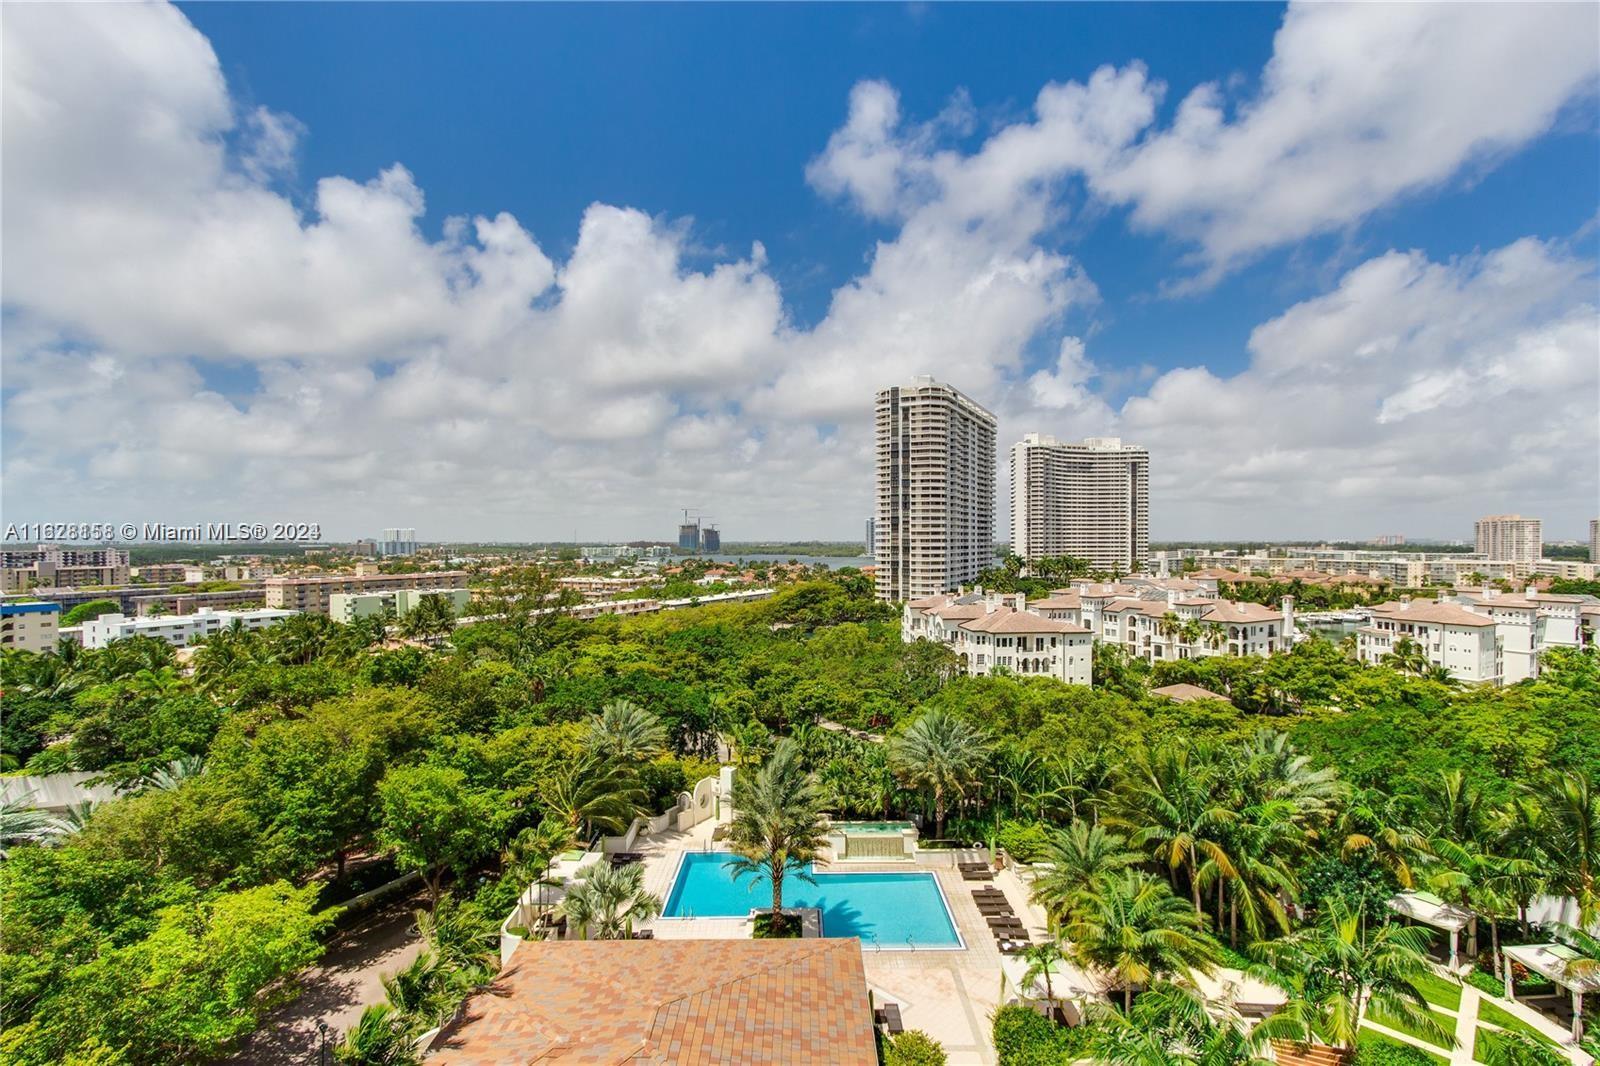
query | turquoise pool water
(896,911)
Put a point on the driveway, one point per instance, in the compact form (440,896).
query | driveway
(338,988)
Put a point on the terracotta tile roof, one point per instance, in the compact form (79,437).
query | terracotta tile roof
(1183,693)
(670,1003)
(928,602)
(1068,600)
(1431,612)
(1006,620)
(960,611)
(1228,611)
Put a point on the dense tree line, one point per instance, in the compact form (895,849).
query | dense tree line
(275,774)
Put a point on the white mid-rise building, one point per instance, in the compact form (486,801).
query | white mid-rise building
(1509,537)
(1481,635)
(1594,540)
(1090,500)
(935,462)
(1153,619)
(179,630)
(990,631)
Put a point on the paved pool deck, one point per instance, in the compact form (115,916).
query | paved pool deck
(949,994)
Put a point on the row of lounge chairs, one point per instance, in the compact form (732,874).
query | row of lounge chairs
(975,871)
(1010,935)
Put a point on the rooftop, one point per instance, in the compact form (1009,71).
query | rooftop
(1183,693)
(670,1002)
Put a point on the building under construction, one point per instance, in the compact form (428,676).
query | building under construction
(698,536)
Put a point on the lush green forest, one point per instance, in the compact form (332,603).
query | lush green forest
(280,773)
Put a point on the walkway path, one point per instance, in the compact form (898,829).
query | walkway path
(338,988)
(1467,1024)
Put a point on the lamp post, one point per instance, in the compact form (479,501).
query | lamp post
(322,1042)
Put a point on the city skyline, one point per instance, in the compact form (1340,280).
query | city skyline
(248,264)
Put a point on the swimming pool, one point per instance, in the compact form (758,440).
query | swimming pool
(889,911)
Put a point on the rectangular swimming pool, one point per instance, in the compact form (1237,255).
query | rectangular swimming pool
(886,910)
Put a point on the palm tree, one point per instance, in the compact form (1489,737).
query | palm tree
(626,731)
(1372,822)
(381,1038)
(174,774)
(1044,960)
(1173,1024)
(1136,929)
(941,754)
(607,900)
(530,853)
(1408,657)
(590,794)
(1081,858)
(1569,807)
(778,826)
(1334,972)
(1167,801)
(424,992)
(23,823)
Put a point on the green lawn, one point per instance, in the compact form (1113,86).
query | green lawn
(1448,1021)
(1376,1048)
(1440,991)
(1490,1012)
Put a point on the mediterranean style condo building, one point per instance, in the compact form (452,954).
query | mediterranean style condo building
(1481,635)
(1155,619)
(934,511)
(1090,500)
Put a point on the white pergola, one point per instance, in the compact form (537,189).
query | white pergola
(1433,911)
(1555,961)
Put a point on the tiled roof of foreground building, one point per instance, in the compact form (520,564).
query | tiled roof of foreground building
(670,1002)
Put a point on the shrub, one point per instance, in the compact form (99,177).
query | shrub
(786,928)
(1375,1050)
(1024,841)
(1024,1037)
(913,1048)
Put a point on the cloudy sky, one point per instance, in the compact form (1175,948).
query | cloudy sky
(521,272)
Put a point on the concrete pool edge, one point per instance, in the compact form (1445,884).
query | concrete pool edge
(676,884)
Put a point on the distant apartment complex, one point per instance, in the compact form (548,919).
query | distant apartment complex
(177,630)
(311,594)
(398,542)
(346,607)
(1509,537)
(1158,620)
(934,499)
(52,566)
(29,626)
(1481,635)
(1088,500)
(1403,569)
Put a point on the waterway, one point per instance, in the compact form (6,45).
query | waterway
(832,561)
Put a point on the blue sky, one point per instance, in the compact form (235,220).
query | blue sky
(702,130)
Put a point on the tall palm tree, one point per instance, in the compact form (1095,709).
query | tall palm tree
(1408,657)
(1044,960)
(1168,803)
(382,1037)
(1373,823)
(778,826)
(1334,972)
(1135,928)
(593,794)
(1081,858)
(624,730)
(1569,806)
(942,755)
(607,900)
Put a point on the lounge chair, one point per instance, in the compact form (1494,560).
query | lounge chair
(890,1013)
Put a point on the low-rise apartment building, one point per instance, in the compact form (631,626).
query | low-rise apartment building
(602,588)
(1155,620)
(53,566)
(29,626)
(311,594)
(989,631)
(1481,635)
(346,607)
(178,630)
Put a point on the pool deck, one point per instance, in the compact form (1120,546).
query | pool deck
(948,994)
